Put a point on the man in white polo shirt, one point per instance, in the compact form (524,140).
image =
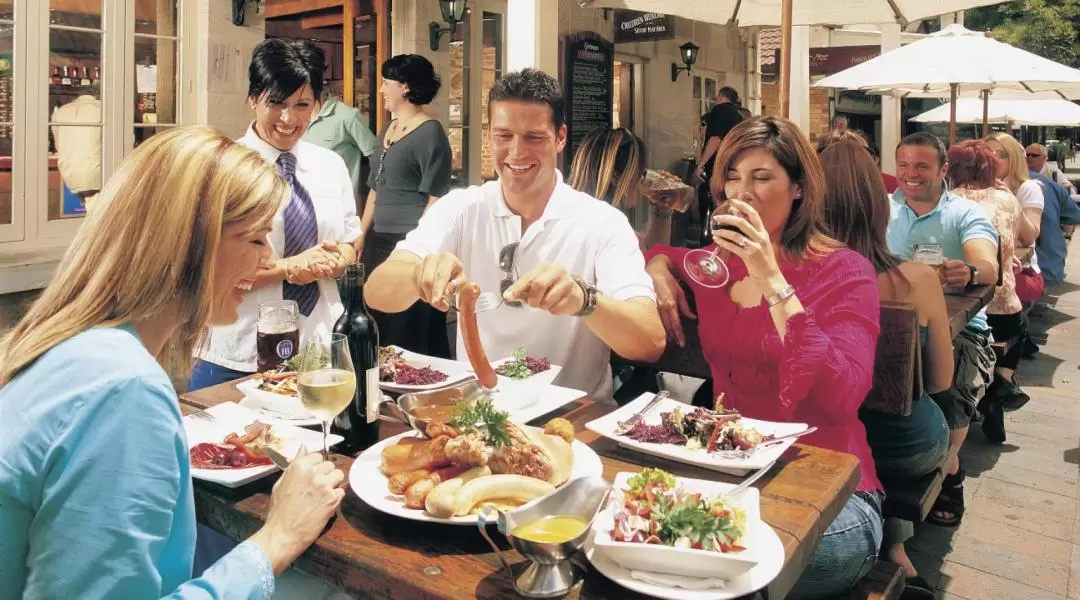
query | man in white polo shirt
(568,266)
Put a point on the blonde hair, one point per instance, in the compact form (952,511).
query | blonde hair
(149,247)
(1018,169)
(608,166)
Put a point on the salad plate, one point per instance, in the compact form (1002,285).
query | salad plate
(738,463)
(725,552)
(455,371)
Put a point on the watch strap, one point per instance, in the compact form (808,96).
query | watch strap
(591,297)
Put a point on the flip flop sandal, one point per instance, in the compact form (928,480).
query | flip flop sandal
(950,500)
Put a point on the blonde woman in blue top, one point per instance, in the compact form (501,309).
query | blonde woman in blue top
(95,485)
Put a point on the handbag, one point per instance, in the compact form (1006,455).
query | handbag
(1029,285)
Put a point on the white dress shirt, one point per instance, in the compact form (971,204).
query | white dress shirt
(327,181)
(78,149)
(588,237)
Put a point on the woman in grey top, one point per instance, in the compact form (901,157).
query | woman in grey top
(409,173)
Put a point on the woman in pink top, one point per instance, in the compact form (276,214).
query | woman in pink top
(792,336)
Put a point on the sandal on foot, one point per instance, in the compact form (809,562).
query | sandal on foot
(949,500)
(917,588)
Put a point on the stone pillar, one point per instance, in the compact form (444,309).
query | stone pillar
(890,106)
(532,38)
(799,95)
(223,54)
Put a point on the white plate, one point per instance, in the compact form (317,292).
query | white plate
(230,417)
(273,417)
(542,378)
(743,585)
(283,406)
(456,371)
(607,424)
(370,484)
(686,562)
(525,400)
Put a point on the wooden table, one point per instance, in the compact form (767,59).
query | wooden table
(370,555)
(962,305)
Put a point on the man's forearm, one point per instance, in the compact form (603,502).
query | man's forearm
(391,288)
(988,272)
(631,328)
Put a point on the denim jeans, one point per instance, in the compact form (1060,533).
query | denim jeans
(846,552)
(206,374)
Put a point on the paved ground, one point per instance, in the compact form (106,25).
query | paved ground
(1020,537)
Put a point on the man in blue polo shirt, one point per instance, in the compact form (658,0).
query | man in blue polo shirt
(924,212)
(1058,209)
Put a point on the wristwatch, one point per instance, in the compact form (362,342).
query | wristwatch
(974,274)
(592,296)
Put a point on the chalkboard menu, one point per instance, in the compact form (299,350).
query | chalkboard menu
(588,84)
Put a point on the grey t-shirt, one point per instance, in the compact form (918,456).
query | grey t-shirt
(406,174)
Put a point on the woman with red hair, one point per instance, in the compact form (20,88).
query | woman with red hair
(971,168)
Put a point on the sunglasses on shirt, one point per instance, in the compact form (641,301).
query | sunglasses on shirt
(506,265)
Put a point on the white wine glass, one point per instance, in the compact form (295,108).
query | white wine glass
(326,380)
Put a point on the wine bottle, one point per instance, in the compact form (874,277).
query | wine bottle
(359,423)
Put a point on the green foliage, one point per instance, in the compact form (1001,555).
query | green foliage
(1049,28)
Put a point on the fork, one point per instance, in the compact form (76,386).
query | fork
(203,415)
(484,302)
(628,424)
(745,454)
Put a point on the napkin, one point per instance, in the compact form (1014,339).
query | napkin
(689,583)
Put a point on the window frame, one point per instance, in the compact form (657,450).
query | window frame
(31,239)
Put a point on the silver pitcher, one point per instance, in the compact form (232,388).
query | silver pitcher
(550,572)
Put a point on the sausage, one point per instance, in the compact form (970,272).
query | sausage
(470,334)
(417,493)
(428,455)
(440,501)
(400,482)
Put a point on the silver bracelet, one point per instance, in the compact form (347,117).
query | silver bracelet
(780,296)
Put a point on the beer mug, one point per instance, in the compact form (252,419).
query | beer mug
(278,333)
(931,254)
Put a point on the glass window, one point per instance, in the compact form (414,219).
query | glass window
(157,52)
(7,110)
(492,61)
(75,123)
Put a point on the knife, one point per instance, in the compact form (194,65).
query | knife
(279,459)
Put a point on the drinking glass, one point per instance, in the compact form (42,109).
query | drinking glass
(277,335)
(326,379)
(705,266)
(932,255)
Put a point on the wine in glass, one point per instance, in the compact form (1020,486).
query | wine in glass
(705,266)
(326,380)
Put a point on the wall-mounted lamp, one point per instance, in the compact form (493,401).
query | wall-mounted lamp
(453,12)
(688,51)
(238,12)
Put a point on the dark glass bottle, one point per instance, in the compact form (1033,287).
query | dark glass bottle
(363,334)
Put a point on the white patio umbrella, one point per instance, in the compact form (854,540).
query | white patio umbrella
(957,61)
(1016,112)
(786,13)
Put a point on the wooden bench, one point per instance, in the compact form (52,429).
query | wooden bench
(884,582)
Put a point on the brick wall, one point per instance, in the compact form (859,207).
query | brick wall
(819,107)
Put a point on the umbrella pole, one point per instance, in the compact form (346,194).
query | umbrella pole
(785,59)
(986,112)
(952,114)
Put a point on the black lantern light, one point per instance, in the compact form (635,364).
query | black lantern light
(453,12)
(688,51)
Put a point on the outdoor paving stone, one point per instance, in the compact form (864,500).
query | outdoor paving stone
(1041,504)
(1023,514)
(974,584)
(975,529)
(1011,564)
(1027,477)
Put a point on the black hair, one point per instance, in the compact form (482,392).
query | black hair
(530,85)
(417,73)
(731,94)
(281,66)
(921,138)
(872,147)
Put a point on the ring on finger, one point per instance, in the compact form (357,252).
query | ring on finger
(743,241)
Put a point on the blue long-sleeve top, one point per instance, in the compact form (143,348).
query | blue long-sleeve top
(96,495)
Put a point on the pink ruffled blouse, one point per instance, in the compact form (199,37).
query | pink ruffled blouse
(822,372)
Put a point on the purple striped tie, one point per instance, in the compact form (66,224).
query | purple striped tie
(301,233)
